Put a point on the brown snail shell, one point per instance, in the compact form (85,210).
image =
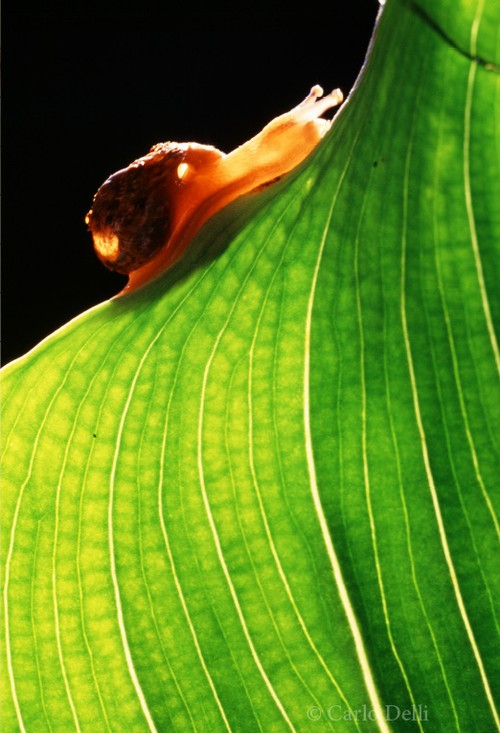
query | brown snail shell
(130,218)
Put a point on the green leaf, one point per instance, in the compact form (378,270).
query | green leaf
(259,493)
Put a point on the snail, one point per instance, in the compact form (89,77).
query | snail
(143,216)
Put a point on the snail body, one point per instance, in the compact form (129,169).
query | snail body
(143,216)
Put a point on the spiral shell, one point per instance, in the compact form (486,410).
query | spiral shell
(130,218)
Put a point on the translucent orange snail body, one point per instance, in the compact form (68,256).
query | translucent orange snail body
(143,217)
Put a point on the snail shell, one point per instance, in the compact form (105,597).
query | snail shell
(131,215)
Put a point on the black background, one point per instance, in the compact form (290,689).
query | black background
(88,90)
